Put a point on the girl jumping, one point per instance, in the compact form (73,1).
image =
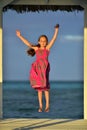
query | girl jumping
(39,72)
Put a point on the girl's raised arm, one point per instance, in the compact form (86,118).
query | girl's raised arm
(18,33)
(50,44)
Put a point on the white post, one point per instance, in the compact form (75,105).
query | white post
(85,63)
(1,63)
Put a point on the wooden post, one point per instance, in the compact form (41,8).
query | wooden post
(2,4)
(0,44)
(0,62)
(1,111)
(85,63)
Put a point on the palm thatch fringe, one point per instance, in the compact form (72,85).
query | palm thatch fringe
(34,8)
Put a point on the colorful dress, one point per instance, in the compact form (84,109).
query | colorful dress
(39,72)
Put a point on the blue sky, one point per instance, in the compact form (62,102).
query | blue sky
(66,56)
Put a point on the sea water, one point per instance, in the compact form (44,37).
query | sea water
(21,101)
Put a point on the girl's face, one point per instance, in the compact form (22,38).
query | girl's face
(42,42)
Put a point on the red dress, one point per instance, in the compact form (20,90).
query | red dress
(39,72)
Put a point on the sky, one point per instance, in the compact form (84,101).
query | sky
(66,55)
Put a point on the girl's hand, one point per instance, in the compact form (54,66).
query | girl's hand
(18,33)
(57,26)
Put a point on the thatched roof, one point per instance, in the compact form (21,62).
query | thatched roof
(33,8)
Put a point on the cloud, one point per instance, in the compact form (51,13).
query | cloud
(73,38)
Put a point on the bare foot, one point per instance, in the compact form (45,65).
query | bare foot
(47,109)
(40,110)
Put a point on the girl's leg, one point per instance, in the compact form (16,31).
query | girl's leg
(40,101)
(47,100)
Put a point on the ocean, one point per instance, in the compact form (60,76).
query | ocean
(20,100)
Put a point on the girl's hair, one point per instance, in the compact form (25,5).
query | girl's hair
(31,51)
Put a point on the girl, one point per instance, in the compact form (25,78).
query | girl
(39,73)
